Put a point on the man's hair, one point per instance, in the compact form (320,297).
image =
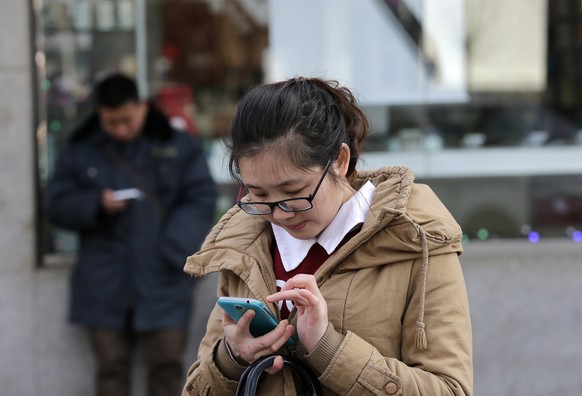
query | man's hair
(115,91)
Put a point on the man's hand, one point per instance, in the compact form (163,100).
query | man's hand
(111,205)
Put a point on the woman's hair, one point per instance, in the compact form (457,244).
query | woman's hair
(304,119)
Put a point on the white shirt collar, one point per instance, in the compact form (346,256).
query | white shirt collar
(351,213)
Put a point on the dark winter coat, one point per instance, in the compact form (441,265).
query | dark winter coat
(133,259)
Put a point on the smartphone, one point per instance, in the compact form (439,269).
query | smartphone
(264,320)
(128,193)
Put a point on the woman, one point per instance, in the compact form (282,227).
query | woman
(362,266)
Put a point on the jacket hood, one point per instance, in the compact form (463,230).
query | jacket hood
(400,207)
(406,221)
(156,126)
(417,222)
(406,211)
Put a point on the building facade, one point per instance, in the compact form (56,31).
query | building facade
(521,296)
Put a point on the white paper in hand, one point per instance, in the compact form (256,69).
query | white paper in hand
(128,193)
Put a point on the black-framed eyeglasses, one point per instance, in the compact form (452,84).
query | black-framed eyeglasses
(287,205)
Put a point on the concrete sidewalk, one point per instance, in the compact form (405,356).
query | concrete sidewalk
(526,308)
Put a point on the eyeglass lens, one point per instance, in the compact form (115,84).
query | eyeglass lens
(295,205)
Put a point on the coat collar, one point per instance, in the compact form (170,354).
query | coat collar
(251,236)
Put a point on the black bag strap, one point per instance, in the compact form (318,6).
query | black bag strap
(130,171)
(249,381)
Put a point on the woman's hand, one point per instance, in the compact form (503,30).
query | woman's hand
(311,308)
(246,348)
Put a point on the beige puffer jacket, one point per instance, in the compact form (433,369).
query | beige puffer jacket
(397,303)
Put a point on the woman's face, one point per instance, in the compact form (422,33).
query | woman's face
(268,178)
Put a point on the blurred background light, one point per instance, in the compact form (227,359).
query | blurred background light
(483,234)
(533,237)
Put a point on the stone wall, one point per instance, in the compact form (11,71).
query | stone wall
(17,241)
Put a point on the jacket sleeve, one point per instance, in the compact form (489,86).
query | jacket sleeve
(72,204)
(190,219)
(355,367)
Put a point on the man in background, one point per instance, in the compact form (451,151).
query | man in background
(140,195)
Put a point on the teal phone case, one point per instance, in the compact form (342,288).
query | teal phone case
(264,320)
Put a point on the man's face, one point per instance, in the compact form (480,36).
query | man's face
(123,123)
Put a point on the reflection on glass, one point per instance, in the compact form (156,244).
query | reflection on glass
(105,15)
(499,99)
(82,16)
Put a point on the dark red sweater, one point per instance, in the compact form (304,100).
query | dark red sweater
(311,263)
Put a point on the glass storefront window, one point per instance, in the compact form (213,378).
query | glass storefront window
(481,98)
(192,59)
(486,110)
(77,41)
